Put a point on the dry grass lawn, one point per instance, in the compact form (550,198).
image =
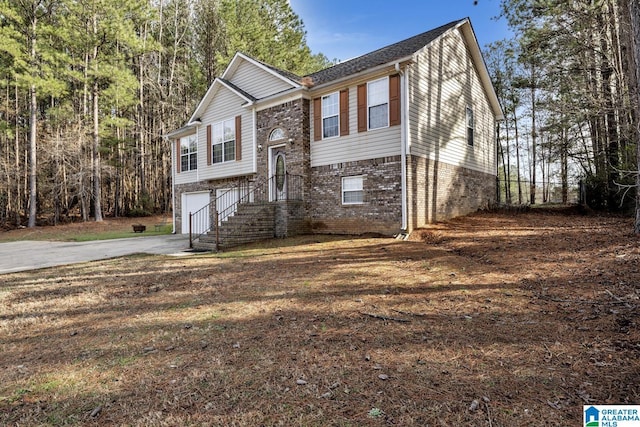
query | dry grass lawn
(489,320)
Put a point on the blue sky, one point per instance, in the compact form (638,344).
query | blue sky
(343,29)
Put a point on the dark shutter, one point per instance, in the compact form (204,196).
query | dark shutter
(394,100)
(362,107)
(344,112)
(238,137)
(317,119)
(209,145)
(178,157)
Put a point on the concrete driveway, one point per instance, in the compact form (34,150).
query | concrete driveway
(31,255)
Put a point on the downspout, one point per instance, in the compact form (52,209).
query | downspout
(404,131)
(255,139)
(173,184)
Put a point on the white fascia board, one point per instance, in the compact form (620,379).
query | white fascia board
(188,129)
(282,97)
(481,66)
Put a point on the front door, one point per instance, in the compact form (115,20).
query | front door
(278,175)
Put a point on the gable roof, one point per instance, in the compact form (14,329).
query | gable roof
(391,53)
(217,83)
(288,77)
(402,50)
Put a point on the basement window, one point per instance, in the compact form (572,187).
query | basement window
(352,193)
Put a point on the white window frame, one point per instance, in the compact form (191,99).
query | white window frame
(189,150)
(331,114)
(218,138)
(350,185)
(372,102)
(470,126)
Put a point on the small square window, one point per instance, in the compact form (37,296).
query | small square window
(352,190)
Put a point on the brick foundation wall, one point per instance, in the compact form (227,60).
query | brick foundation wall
(439,191)
(381,211)
(291,219)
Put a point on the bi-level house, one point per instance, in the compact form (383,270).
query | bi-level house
(384,143)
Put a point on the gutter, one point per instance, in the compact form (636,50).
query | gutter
(365,72)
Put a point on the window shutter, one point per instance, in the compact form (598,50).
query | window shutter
(317,119)
(238,137)
(394,100)
(362,107)
(178,157)
(344,112)
(209,145)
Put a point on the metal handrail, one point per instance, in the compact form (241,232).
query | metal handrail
(202,218)
(258,191)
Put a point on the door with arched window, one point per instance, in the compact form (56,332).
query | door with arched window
(278,181)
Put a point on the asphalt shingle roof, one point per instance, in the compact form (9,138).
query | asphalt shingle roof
(237,89)
(381,56)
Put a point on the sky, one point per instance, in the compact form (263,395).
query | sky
(344,29)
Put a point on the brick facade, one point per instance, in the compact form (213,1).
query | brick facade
(439,191)
(436,191)
(293,118)
(381,210)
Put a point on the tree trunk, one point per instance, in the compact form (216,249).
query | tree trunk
(97,193)
(95,161)
(533,135)
(634,12)
(18,202)
(33,135)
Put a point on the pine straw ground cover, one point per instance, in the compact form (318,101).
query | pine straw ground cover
(488,320)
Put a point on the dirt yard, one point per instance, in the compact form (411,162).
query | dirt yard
(489,320)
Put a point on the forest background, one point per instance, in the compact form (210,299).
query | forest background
(89,88)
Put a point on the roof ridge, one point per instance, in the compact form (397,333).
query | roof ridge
(382,55)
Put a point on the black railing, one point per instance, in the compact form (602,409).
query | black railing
(210,217)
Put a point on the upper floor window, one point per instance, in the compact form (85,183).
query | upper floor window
(352,190)
(470,126)
(378,103)
(330,112)
(276,134)
(224,141)
(189,153)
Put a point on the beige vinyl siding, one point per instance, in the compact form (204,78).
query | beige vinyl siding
(256,81)
(225,105)
(356,146)
(443,82)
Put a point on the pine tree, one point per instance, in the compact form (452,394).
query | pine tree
(28,41)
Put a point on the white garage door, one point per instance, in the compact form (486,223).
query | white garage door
(192,203)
